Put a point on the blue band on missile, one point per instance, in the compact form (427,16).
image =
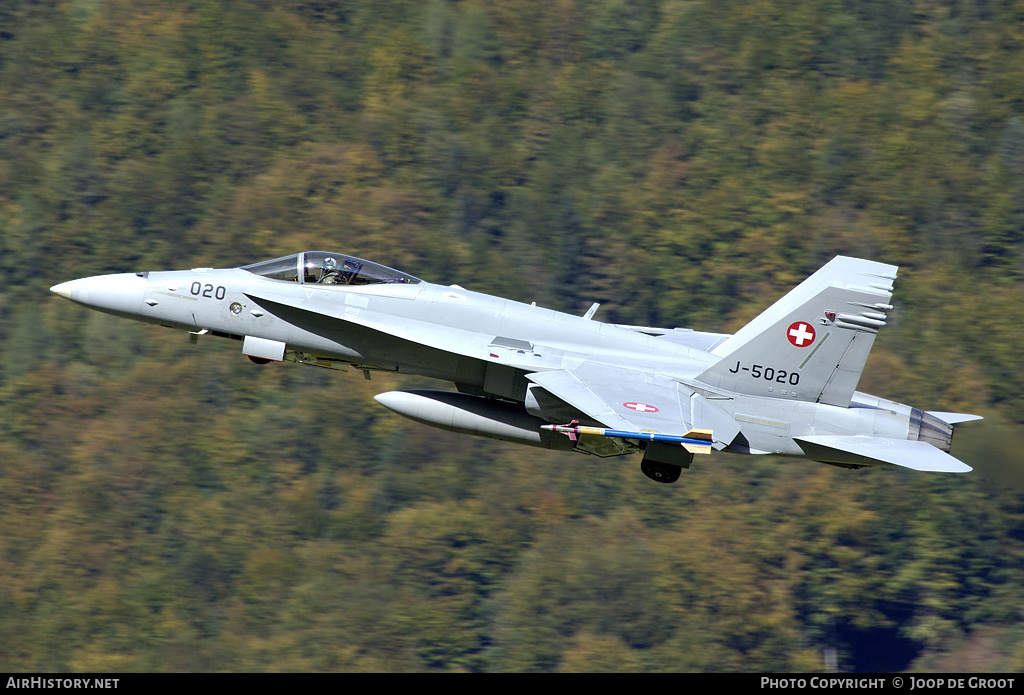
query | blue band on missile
(656,437)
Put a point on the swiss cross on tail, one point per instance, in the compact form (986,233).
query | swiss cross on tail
(800,334)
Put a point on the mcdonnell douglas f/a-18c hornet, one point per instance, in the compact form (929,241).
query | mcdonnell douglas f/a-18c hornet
(785,384)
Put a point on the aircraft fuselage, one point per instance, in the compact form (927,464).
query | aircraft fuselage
(532,364)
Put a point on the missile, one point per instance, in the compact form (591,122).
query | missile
(696,441)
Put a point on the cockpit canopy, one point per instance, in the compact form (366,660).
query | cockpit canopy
(325,268)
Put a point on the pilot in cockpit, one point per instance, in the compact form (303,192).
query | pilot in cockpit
(331,274)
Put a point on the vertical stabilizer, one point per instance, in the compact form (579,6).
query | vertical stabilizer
(812,344)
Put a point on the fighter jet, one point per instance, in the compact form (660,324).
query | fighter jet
(784,384)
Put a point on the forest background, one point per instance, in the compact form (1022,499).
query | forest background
(170,507)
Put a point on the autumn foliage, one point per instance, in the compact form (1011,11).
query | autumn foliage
(168,507)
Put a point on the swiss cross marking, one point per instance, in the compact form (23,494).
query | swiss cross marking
(641,407)
(800,334)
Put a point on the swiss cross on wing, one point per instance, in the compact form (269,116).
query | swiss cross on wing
(640,407)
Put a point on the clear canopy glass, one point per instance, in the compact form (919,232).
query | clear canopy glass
(326,268)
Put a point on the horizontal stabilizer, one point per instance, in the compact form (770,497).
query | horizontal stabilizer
(874,451)
(954,418)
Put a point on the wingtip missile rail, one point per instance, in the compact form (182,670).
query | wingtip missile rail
(696,441)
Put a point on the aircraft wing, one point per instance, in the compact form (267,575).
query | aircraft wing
(871,451)
(627,399)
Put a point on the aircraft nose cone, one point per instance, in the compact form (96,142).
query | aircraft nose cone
(119,294)
(63,289)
